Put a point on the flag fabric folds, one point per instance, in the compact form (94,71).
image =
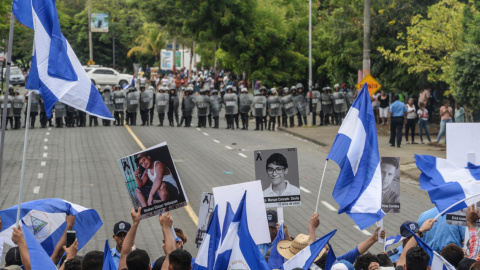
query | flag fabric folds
(45,219)
(55,70)
(275,261)
(238,249)
(228,219)
(358,190)
(108,262)
(448,182)
(211,241)
(392,240)
(331,258)
(39,259)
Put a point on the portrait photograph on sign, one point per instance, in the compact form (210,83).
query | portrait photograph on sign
(390,167)
(277,169)
(459,217)
(207,206)
(152,181)
(99,22)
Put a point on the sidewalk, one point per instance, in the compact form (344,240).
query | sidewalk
(325,136)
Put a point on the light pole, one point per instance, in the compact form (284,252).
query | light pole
(90,32)
(310,83)
(366,38)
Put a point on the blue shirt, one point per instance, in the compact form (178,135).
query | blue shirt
(398,109)
(350,256)
(116,256)
(396,256)
(441,233)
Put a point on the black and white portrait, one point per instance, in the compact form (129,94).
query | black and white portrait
(390,167)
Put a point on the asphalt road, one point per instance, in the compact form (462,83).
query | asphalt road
(80,165)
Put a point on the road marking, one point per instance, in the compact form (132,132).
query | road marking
(305,190)
(217,141)
(45,155)
(364,231)
(36,190)
(46,140)
(40,175)
(49,128)
(199,129)
(228,147)
(45,147)
(48,133)
(242,155)
(43,163)
(329,206)
(204,133)
(187,208)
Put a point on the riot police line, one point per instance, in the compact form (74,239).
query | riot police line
(275,109)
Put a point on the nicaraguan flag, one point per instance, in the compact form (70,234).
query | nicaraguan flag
(108,262)
(275,261)
(238,250)
(448,182)
(307,256)
(55,70)
(228,219)
(132,84)
(45,219)
(392,240)
(331,258)
(210,243)
(358,190)
(39,259)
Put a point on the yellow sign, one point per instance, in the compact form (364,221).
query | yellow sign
(373,85)
(90,62)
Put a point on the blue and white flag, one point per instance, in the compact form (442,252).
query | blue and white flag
(331,258)
(448,182)
(39,259)
(108,262)
(55,70)
(132,84)
(228,219)
(358,190)
(307,256)
(238,249)
(210,243)
(275,261)
(393,240)
(45,219)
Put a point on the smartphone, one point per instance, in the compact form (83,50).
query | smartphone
(71,236)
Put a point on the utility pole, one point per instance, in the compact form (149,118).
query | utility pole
(366,38)
(90,32)
(310,82)
(113,44)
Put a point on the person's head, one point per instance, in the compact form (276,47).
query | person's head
(342,265)
(363,261)
(410,101)
(76,264)
(120,230)
(157,265)
(93,260)
(277,167)
(389,167)
(272,219)
(143,160)
(453,254)
(138,260)
(457,105)
(475,266)
(417,259)
(465,264)
(179,259)
(406,233)
(396,97)
(13,257)
(422,105)
(446,103)
(344,86)
(181,238)
(384,260)
(382,92)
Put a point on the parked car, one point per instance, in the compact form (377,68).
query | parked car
(104,76)
(16,76)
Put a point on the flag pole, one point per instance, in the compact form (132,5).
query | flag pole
(321,183)
(25,144)
(455,204)
(5,100)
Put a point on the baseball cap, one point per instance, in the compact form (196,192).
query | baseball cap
(272,218)
(13,257)
(121,226)
(409,224)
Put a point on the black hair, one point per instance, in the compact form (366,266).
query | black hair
(180,259)
(453,254)
(13,257)
(93,260)
(138,260)
(322,261)
(384,260)
(363,261)
(465,264)
(394,161)
(74,264)
(417,259)
(158,263)
(277,159)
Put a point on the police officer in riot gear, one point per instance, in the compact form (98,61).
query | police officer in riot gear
(133,99)
(9,107)
(274,108)
(146,103)
(315,104)
(231,106)
(162,99)
(60,113)
(188,104)
(119,101)
(259,109)
(245,105)
(71,116)
(302,105)
(203,108)
(18,102)
(215,107)
(293,93)
(236,116)
(107,97)
(327,106)
(173,107)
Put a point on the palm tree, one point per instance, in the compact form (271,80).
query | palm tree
(151,42)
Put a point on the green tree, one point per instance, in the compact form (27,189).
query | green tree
(151,42)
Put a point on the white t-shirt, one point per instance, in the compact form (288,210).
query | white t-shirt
(422,114)
(374,97)
(410,112)
(165,81)
(290,190)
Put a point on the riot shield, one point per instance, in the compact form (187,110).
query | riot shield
(246,101)
(162,102)
(231,103)
(188,105)
(288,105)
(215,105)
(60,109)
(35,102)
(350,98)
(119,100)
(327,106)
(259,106)
(316,101)
(133,100)
(146,100)
(108,99)
(203,105)
(339,104)
(18,102)
(274,108)
(301,103)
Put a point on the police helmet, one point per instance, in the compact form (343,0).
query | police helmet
(214,91)
(107,88)
(273,90)
(285,90)
(151,88)
(244,90)
(299,85)
(10,88)
(234,89)
(293,88)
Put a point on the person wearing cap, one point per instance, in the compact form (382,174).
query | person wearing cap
(344,88)
(273,226)
(120,230)
(395,253)
(396,120)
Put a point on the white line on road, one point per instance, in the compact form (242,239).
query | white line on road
(217,141)
(204,133)
(49,128)
(36,190)
(228,147)
(48,133)
(43,163)
(364,231)
(40,175)
(242,155)
(329,206)
(45,155)
(46,140)
(45,147)
(199,129)
(305,190)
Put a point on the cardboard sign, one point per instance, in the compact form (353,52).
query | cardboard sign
(390,167)
(207,206)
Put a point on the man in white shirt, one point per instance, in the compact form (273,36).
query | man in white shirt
(277,168)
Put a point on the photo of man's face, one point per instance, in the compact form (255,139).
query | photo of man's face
(388,173)
(276,173)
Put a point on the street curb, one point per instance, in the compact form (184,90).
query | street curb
(302,136)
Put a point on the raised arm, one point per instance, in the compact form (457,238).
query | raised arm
(427,225)
(58,251)
(313,224)
(130,238)
(473,244)
(166,221)
(19,239)
(367,244)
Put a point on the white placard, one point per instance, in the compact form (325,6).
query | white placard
(462,142)
(256,214)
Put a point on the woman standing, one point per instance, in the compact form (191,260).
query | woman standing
(446,115)
(423,121)
(384,107)
(411,117)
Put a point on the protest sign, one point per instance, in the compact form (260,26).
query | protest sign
(99,22)
(460,217)
(390,167)
(256,214)
(277,169)
(152,181)
(462,147)
(207,205)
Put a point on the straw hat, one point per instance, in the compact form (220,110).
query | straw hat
(288,248)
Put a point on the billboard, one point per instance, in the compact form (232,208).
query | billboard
(99,22)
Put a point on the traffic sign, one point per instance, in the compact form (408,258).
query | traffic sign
(373,85)
(90,62)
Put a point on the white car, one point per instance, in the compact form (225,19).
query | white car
(107,76)
(16,76)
